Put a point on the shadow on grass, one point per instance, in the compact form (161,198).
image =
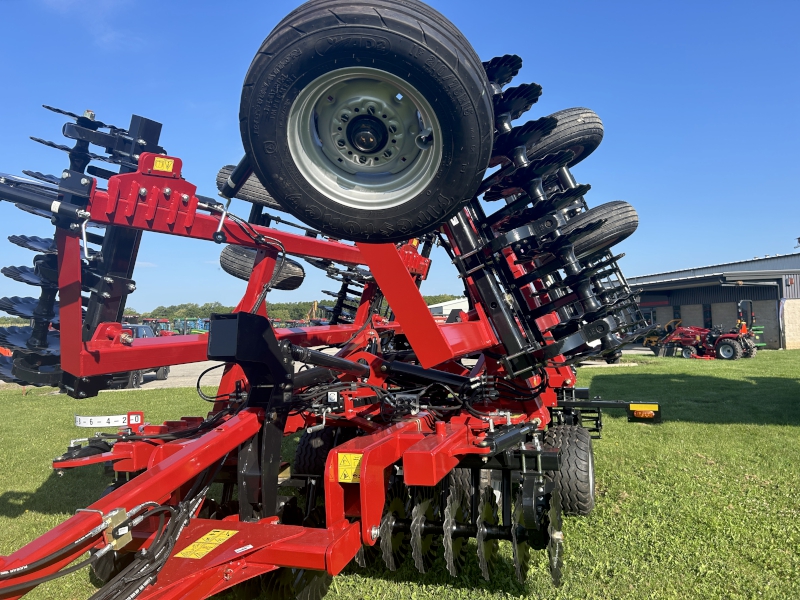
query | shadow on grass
(65,494)
(706,399)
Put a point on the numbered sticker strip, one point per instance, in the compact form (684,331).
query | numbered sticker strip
(108,420)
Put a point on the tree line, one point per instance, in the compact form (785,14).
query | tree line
(281,311)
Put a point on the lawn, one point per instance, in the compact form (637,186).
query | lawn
(705,505)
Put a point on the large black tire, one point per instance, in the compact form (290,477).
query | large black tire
(688,351)
(578,129)
(410,47)
(238,261)
(313,449)
(135,379)
(752,354)
(728,350)
(575,480)
(252,190)
(621,221)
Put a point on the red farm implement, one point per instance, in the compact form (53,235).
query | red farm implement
(408,425)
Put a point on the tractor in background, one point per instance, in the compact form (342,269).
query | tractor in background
(699,342)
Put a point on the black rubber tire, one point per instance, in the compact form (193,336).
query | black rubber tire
(575,480)
(578,129)
(162,373)
(252,190)
(752,354)
(736,346)
(688,351)
(621,222)
(134,380)
(313,449)
(405,38)
(238,261)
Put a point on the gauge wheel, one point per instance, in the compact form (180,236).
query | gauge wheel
(369,120)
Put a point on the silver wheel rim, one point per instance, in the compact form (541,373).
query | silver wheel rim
(725,351)
(321,144)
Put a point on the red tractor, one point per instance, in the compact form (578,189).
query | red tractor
(699,342)
(374,123)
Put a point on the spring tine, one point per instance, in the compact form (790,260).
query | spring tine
(35,243)
(501,70)
(42,177)
(61,111)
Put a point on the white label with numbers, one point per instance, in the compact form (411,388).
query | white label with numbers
(107,421)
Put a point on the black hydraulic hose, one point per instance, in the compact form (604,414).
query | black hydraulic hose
(34,582)
(321,359)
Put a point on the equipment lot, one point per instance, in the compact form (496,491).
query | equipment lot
(703,506)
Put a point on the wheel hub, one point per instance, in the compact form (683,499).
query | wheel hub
(353,134)
(367,134)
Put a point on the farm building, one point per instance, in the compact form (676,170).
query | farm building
(708,296)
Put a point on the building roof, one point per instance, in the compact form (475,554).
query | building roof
(448,303)
(769,267)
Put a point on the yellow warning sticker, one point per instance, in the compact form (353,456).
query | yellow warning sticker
(213,539)
(349,467)
(644,406)
(164,164)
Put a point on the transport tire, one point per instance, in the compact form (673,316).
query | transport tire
(238,261)
(575,480)
(729,350)
(688,351)
(578,129)
(621,222)
(162,373)
(134,380)
(252,191)
(313,449)
(369,120)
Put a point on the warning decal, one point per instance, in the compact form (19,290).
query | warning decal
(349,467)
(211,540)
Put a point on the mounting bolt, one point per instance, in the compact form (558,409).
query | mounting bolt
(167,192)
(88,114)
(384,368)
(136,157)
(185,198)
(65,175)
(74,226)
(105,295)
(142,142)
(374,532)
(142,192)
(108,279)
(131,287)
(86,181)
(126,339)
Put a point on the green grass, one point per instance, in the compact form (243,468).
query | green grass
(705,505)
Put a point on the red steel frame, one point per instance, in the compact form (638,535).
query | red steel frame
(141,200)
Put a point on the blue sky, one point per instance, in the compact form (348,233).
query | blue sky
(699,102)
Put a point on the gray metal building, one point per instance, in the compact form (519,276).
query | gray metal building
(708,296)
